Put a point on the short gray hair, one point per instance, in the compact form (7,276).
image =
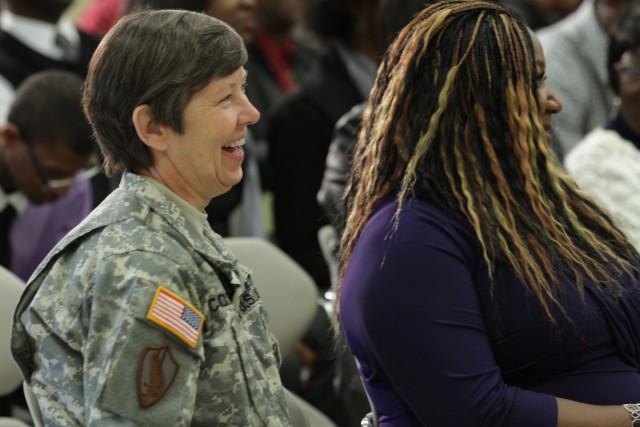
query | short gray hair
(156,57)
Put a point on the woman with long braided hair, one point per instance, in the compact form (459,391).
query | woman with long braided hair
(479,286)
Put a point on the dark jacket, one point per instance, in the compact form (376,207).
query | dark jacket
(264,91)
(338,165)
(300,131)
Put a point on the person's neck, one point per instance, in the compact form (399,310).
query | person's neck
(177,186)
(630,116)
(6,182)
(278,37)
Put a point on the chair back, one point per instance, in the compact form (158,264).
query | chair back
(329,241)
(11,287)
(32,403)
(288,293)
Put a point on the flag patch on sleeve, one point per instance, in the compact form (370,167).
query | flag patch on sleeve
(173,313)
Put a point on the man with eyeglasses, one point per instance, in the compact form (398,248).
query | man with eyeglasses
(606,163)
(45,148)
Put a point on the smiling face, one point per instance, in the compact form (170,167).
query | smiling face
(548,101)
(205,160)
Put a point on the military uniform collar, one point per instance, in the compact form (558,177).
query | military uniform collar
(118,207)
(193,227)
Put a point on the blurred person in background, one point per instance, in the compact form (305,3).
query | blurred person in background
(606,163)
(394,15)
(279,58)
(45,150)
(576,51)
(44,145)
(542,13)
(301,126)
(299,134)
(35,35)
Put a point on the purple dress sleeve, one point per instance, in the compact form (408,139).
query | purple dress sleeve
(413,318)
(440,344)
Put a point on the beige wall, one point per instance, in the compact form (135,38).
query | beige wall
(76,8)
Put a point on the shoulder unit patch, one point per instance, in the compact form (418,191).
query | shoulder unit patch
(157,369)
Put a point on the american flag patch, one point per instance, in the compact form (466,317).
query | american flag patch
(176,315)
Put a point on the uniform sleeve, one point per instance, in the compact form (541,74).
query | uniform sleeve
(416,322)
(141,358)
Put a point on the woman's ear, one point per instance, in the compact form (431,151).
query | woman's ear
(149,130)
(10,136)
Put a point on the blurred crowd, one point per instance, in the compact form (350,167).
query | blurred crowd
(311,67)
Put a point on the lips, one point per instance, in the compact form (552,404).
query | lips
(234,144)
(235,148)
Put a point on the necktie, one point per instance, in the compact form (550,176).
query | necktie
(70,54)
(6,219)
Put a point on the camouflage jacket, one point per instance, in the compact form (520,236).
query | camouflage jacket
(136,318)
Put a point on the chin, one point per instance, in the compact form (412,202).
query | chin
(41,199)
(227,186)
(236,179)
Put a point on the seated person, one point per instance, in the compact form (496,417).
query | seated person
(44,146)
(606,163)
(141,316)
(480,287)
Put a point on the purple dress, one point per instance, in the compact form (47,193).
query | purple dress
(436,349)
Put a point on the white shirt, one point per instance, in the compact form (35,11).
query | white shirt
(17,199)
(39,36)
(608,167)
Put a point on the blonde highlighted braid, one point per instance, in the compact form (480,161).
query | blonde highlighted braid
(455,109)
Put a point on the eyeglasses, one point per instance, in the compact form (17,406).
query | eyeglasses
(51,184)
(632,70)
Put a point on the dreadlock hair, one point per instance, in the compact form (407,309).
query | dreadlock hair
(454,109)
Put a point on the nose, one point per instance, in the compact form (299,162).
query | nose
(554,104)
(250,114)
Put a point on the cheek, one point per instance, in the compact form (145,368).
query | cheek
(21,171)
(542,101)
(629,88)
(31,186)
